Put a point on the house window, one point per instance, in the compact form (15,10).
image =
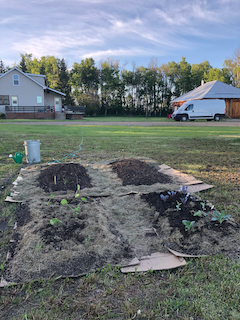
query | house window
(16,80)
(4,100)
(39,99)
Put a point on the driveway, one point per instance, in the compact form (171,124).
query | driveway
(227,123)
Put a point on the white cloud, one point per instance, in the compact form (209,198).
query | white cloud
(132,52)
(102,28)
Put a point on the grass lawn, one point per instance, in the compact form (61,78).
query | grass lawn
(207,288)
(100,119)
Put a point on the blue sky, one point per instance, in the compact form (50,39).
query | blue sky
(126,30)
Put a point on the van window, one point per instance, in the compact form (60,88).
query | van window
(189,107)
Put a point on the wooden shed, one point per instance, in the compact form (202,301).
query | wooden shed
(214,90)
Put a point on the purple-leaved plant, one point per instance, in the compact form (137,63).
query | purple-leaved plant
(164,198)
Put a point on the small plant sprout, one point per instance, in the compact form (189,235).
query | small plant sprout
(178,206)
(76,193)
(75,209)
(53,221)
(51,196)
(203,205)
(199,213)
(171,193)
(164,198)
(188,225)
(184,189)
(220,217)
(185,199)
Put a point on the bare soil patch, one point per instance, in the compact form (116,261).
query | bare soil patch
(129,212)
(63,177)
(136,172)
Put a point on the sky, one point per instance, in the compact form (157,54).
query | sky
(131,31)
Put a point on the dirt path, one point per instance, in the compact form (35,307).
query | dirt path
(228,123)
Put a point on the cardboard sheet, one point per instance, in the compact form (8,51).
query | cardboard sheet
(4,283)
(178,254)
(156,261)
(191,182)
(15,183)
(10,199)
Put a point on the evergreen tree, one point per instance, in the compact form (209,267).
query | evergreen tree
(2,67)
(63,83)
(23,63)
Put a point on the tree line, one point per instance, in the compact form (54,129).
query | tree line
(111,89)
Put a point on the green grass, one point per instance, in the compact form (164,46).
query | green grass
(207,288)
(99,119)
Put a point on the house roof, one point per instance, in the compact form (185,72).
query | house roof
(211,90)
(28,75)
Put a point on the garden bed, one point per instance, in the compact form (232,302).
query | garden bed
(125,209)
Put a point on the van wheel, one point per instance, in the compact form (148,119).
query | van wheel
(217,117)
(184,118)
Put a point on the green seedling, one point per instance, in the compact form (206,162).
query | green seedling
(220,217)
(203,205)
(188,225)
(74,209)
(51,196)
(40,244)
(53,221)
(178,206)
(76,193)
(199,213)
(2,267)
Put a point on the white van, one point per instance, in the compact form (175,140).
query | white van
(209,109)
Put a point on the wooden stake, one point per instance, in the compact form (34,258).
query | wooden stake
(55,180)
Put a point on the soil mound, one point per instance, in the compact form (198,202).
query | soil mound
(63,177)
(136,172)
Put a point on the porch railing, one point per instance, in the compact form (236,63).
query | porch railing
(29,109)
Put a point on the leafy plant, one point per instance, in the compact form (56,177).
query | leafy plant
(185,199)
(164,198)
(220,216)
(51,196)
(199,213)
(203,205)
(188,225)
(178,206)
(171,193)
(184,189)
(77,208)
(53,221)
